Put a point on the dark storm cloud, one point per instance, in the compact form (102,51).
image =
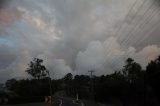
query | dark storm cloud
(75,36)
(7,56)
(7,14)
(4,3)
(157,3)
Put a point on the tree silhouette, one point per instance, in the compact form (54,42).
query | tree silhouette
(68,83)
(130,85)
(36,69)
(153,75)
(10,83)
(132,70)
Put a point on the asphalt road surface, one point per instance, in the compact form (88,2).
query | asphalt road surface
(64,102)
(59,101)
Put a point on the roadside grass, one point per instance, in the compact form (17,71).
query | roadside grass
(30,104)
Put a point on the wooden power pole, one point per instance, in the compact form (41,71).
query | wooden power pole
(91,84)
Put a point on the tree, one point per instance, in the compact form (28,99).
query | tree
(81,85)
(68,77)
(36,69)
(10,83)
(68,83)
(135,78)
(132,70)
(153,75)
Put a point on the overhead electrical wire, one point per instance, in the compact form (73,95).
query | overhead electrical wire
(129,12)
(120,28)
(142,24)
(149,16)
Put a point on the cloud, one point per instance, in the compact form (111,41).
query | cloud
(97,56)
(16,69)
(74,36)
(34,18)
(8,16)
(59,68)
(148,53)
(7,56)
(4,3)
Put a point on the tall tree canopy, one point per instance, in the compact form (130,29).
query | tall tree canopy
(36,69)
(132,70)
(153,75)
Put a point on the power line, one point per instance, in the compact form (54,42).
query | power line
(130,10)
(143,39)
(141,6)
(142,24)
(120,28)
(147,18)
(109,49)
(153,27)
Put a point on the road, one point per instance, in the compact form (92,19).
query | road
(63,102)
(59,101)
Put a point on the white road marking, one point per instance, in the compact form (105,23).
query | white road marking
(60,103)
(81,103)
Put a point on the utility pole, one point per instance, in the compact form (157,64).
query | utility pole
(91,73)
(50,85)
(91,84)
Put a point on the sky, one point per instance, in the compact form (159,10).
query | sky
(74,36)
